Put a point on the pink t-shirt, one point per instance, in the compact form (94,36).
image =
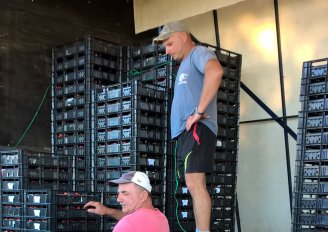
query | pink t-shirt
(143,220)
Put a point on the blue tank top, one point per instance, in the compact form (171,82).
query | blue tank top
(187,91)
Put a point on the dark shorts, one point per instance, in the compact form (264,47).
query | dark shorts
(195,150)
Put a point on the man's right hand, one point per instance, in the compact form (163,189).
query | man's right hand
(96,208)
(100,209)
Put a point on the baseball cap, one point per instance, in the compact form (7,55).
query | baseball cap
(139,178)
(168,29)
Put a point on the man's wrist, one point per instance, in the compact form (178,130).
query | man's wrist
(198,112)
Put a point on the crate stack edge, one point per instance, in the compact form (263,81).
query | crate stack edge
(311,171)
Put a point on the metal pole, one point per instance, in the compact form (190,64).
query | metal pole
(282,90)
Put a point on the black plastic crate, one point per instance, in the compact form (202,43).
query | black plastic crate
(38,212)
(86,45)
(224,108)
(15,184)
(315,155)
(127,160)
(111,199)
(9,210)
(105,186)
(230,133)
(313,121)
(227,121)
(313,88)
(12,197)
(315,68)
(31,179)
(139,104)
(227,97)
(44,224)
(184,202)
(81,162)
(180,213)
(139,117)
(315,105)
(223,202)
(142,160)
(78,198)
(186,225)
(229,85)
(221,179)
(315,187)
(128,146)
(75,149)
(231,60)
(106,61)
(136,145)
(226,156)
(223,225)
(230,73)
(316,138)
(224,212)
(82,185)
(315,171)
(181,190)
(76,74)
(147,50)
(223,144)
(69,49)
(12,172)
(128,89)
(10,223)
(109,75)
(222,190)
(15,156)
(221,168)
(40,197)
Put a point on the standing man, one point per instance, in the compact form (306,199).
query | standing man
(138,213)
(193,114)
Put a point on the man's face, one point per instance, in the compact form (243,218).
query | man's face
(129,196)
(173,46)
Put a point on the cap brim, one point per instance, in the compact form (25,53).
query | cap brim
(159,39)
(120,181)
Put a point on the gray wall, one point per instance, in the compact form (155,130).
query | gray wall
(28,31)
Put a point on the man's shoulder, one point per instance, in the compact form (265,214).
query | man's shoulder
(201,50)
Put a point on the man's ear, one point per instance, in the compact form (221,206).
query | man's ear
(184,36)
(144,196)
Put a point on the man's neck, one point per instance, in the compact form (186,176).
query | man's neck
(189,48)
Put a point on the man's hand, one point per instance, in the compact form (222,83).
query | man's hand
(96,208)
(100,209)
(193,119)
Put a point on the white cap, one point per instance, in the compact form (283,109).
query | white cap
(139,178)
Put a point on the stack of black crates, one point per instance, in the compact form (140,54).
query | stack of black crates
(130,125)
(130,134)
(222,182)
(79,67)
(36,194)
(311,180)
(110,115)
(150,64)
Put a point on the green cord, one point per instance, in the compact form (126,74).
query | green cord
(176,187)
(135,72)
(36,113)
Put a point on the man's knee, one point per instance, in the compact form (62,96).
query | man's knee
(195,183)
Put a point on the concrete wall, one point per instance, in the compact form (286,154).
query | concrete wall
(249,28)
(28,32)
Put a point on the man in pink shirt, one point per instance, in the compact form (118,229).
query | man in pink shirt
(138,213)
